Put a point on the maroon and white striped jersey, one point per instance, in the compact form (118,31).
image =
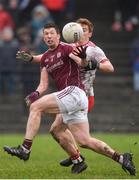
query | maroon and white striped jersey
(87,77)
(61,68)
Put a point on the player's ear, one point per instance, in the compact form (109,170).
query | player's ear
(43,38)
(59,36)
(90,34)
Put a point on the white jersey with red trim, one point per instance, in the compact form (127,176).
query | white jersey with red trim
(87,77)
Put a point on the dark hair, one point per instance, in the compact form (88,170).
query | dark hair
(52,25)
(86,22)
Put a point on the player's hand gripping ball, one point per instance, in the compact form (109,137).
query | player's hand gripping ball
(72,32)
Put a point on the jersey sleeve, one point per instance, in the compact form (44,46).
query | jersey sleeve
(95,53)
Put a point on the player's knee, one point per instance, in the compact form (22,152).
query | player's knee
(34,107)
(55,129)
(53,132)
(57,135)
(83,143)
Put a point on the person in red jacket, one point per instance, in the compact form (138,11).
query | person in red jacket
(60,10)
(5,18)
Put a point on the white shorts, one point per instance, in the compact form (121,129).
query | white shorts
(73,104)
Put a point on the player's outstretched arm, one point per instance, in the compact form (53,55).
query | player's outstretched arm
(25,56)
(22,55)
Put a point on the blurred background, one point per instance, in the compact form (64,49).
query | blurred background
(116,31)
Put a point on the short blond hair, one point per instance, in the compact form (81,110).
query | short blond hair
(85,21)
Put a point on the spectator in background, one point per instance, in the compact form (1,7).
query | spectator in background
(25,9)
(134,53)
(13,9)
(70,10)
(39,44)
(60,10)
(40,16)
(8,49)
(28,75)
(6,19)
(24,37)
(125,15)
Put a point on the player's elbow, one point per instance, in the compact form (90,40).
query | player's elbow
(110,68)
(106,67)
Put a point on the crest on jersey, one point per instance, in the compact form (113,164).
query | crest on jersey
(58,54)
(46,60)
(52,58)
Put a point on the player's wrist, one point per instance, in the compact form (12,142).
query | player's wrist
(37,92)
(32,97)
(31,59)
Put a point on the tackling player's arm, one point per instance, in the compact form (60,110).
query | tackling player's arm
(96,54)
(106,66)
(79,56)
(78,60)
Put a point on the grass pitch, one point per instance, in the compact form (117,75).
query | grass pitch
(46,154)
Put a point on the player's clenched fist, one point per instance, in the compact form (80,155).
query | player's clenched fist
(24,56)
(32,97)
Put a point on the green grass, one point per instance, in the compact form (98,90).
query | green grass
(46,154)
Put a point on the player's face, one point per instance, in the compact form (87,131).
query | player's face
(87,34)
(51,37)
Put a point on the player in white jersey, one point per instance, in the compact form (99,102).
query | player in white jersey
(98,60)
(93,52)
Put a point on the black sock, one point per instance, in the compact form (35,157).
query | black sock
(116,156)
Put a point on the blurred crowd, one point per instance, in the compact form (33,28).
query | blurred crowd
(21,23)
(125,15)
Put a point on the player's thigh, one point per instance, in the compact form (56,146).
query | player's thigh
(47,104)
(80,131)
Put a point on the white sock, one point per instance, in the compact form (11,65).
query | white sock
(121,159)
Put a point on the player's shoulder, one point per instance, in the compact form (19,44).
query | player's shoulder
(90,43)
(92,46)
(65,47)
(44,55)
(46,52)
(64,44)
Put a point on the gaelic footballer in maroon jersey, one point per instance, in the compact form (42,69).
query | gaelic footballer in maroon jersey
(69,104)
(61,68)
(80,131)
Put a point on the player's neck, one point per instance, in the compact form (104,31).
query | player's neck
(52,48)
(83,42)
